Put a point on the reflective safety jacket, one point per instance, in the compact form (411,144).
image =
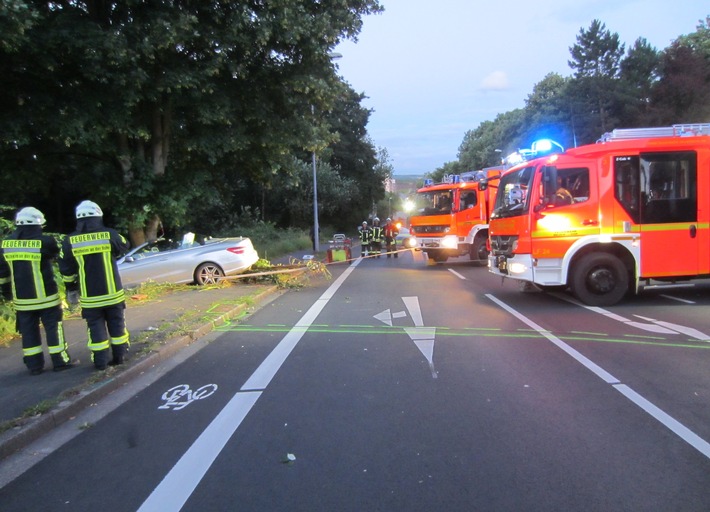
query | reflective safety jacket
(391,232)
(376,233)
(88,263)
(365,236)
(26,266)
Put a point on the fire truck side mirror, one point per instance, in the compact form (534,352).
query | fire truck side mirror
(482,184)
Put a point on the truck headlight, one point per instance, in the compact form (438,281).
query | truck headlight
(450,242)
(516,268)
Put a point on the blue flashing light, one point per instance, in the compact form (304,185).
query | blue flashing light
(546,146)
(428,182)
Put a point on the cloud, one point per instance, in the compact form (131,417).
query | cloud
(496,81)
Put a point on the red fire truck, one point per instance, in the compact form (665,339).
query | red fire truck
(451,218)
(607,218)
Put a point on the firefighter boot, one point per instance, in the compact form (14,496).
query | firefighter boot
(100,359)
(119,354)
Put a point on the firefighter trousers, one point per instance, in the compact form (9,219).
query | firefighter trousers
(392,248)
(28,325)
(107,330)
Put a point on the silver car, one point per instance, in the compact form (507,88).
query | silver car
(186,261)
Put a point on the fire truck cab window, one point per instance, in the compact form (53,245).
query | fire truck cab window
(668,188)
(572,186)
(657,188)
(626,190)
(468,200)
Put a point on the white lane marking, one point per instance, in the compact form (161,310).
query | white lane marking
(665,419)
(686,301)
(175,489)
(266,371)
(588,363)
(693,333)
(655,326)
(177,486)
(457,274)
(671,423)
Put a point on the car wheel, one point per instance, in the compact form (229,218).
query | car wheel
(208,273)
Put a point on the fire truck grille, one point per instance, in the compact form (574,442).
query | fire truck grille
(503,245)
(421,230)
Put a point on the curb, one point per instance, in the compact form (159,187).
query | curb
(16,439)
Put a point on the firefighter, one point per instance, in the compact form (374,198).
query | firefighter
(376,237)
(88,267)
(365,237)
(391,232)
(27,278)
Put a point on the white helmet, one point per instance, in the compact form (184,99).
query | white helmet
(376,219)
(88,209)
(364,223)
(388,220)
(29,216)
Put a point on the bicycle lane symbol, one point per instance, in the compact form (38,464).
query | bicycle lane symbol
(180,396)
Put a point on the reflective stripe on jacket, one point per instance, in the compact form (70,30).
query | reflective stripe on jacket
(26,258)
(88,263)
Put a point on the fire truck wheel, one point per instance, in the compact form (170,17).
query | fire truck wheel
(599,279)
(479,253)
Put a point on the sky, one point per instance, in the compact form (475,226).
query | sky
(431,71)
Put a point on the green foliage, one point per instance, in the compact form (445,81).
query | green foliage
(152,108)
(608,90)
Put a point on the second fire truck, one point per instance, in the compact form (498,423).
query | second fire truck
(606,218)
(451,218)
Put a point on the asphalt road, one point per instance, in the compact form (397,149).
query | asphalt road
(399,386)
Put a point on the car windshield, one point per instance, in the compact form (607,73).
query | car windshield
(512,198)
(435,202)
(155,247)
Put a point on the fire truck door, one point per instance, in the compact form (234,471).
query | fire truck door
(469,213)
(671,237)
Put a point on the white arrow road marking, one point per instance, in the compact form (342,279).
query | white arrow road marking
(385,317)
(415,311)
(423,337)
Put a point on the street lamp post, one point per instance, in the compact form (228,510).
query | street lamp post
(316,227)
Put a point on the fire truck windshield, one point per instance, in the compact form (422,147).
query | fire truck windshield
(512,198)
(435,202)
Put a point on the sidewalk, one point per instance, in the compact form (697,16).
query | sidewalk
(158,329)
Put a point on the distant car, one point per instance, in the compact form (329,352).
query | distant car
(186,261)
(405,239)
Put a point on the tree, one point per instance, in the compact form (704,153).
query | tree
(128,101)
(596,60)
(354,157)
(682,92)
(548,112)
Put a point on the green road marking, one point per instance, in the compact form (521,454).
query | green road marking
(442,332)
